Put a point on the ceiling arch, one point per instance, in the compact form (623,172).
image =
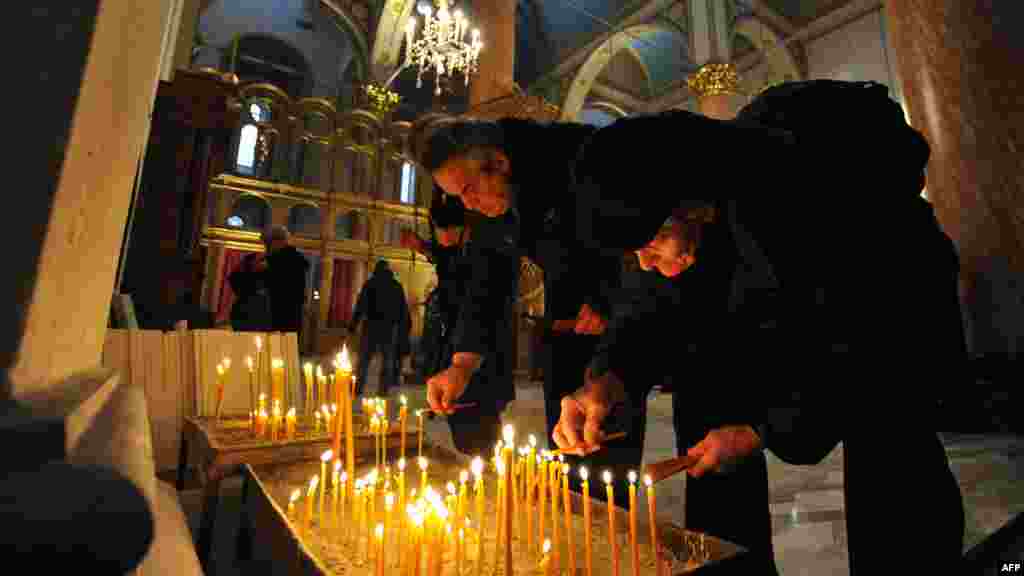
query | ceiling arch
(662,50)
(777,55)
(390,35)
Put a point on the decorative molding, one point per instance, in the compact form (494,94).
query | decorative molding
(714,80)
(518,104)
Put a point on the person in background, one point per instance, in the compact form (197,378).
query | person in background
(382,304)
(251,309)
(285,278)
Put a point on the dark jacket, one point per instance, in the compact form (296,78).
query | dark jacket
(251,309)
(286,281)
(382,302)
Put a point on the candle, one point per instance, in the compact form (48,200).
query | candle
(587,540)
(528,496)
(509,434)
(499,521)
(556,550)
(542,497)
(545,561)
(478,472)
(417,527)
(343,391)
(389,504)
(220,391)
(342,494)
(324,459)
(613,541)
(460,551)
(379,540)
(419,442)
(634,550)
(310,496)
(652,511)
(296,494)
(461,508)
(275,420)
(277,379)
(371,497)
(327,419)
(316,417)
(423,473)
(384,425)
(261,423)
(570,536)
(403,412)
(357,511)
(290,423)
(334,422)
(259,368)
(252,392)
(335,487)
(307,372)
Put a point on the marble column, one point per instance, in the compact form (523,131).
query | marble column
(715,82)
(496,20)
(959,64)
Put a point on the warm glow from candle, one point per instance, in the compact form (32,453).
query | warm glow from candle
(565,469)
(308,366)
(403,400)
(379,531)
(296,494)
(547,545)
(583,473)
(632,477)
(607,476)
(312,484)
(337,468)
(319,371)
(389,500)
(451,488)
(259,343)
(248,362)
(477,467)
(343,360)
(648,481)
(533,441)
(277,363)
(509,434)
(326,456)
(401,464)
(220,369)
(423,462)
(463,477)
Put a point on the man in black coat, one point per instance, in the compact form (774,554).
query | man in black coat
(517,173)
(286,281)
(843,299)
(382,302)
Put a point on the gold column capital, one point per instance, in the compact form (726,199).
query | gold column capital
(714,79)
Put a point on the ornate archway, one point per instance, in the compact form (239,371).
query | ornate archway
(780,60)
(387,42)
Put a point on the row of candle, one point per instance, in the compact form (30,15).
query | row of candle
(278,390)
(528,492)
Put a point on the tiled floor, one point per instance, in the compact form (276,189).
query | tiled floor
(807,502)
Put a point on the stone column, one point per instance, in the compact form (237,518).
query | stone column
(716,81)
(496,20)
(960,70)
(326,292)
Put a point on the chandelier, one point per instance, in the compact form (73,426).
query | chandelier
(442,45)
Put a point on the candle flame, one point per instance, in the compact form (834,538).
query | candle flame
(403,400)
(220,369)
(227,363)
(296,494)
(565,469)
(607,476)
(509,434)
(632,476)
(308,366)
(401,464)
(343,360)
(584,474)
(259,343)
(533,441)
(451,488)
(389,500)
(463,477)
(547,545)
(291,412)
(478,467)
(319,371)
(423,462)
(337,467)
(648,480)
(277,363)
(344,475)
(327,456)
(248,362)
(380,531)
(312,483)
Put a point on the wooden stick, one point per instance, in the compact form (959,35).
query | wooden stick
(608,438)
(454,407)
(668,468)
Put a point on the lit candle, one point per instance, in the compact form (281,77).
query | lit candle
(569,529)
(461,509)
(290,423)
(384,425)
(371,497)
(587,540)
(542,497)
(343,392)
(220,391)
(343,494)
(275,421)
(335,487)
(310,496)
(324,459)
(450,500)
(327,419)
(261,423)
(423,473)
(546,565)
(316,418)
(277,379)
(613,541)
(291,503)
(478,472)
(307,372)
(357,511)
(634,549)
(252,392)
(499,520)
(259,368)
(389,504)
(403,413)
(460,551)
(652,511)
(334,422)
(510,436)
(419,441)
(380,549)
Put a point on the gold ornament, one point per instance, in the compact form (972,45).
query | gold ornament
(381,99)
(714,80)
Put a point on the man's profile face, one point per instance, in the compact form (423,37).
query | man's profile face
(481,185)
(669,252)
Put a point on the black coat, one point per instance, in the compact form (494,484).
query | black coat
(842,318)
(286,280)
(251,309)
(382,302)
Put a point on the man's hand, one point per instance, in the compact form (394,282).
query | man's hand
(579,427)
(723,447)
(589,322)
(446,387)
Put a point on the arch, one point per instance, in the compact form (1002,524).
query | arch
(362,51)
(269,59)
(643,40)
(778,55)
(304,220)
(253,210)
(607,107)
(390,35)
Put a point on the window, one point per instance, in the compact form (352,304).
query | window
(235,221)
(247,147)
(408,195)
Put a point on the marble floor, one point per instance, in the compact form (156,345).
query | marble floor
(806,501)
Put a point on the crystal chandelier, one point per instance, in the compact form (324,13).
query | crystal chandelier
(442,45)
